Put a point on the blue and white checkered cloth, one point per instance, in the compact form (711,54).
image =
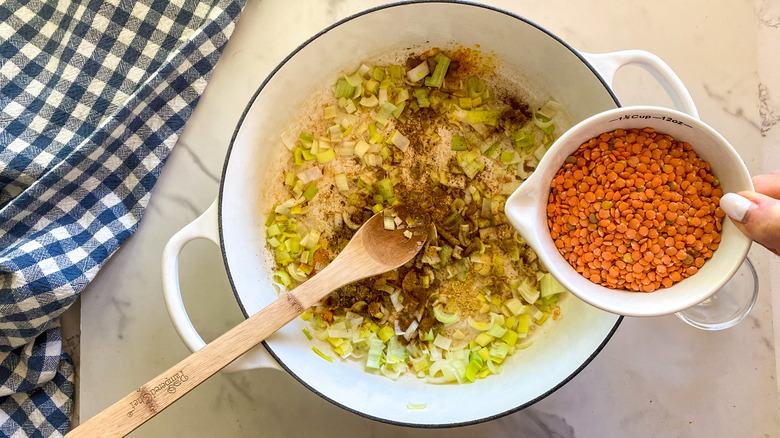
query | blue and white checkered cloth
(93,96)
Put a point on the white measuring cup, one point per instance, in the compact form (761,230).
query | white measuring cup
(526,210)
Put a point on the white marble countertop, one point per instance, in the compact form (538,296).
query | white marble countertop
(656,377)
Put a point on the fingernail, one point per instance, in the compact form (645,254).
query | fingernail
(735,206)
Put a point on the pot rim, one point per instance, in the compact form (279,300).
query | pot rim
(222,187)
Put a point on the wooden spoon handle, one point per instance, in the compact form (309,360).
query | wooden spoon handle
(353,263)
(144,403)
(136,408)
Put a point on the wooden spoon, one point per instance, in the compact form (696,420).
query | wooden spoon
(373,250)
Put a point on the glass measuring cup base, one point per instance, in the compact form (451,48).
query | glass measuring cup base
(729,305)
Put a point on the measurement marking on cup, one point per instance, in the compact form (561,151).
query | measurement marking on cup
(646,116)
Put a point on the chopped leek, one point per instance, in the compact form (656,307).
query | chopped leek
(459,143)
(398,139)
(515,306)
(445,318)
(442,342)
(528,292)
(369,101)
(344,89)
(437,78)
(384,113)
(396,71)
(525,140)
(389,224)
(396,352)
(327,156)
(478,325)
(469,163)
(372,112)
(490,151)
(361,148)
(329,112)
(273,230)
(523,323)
(487,117)
(340,180)
(372,86)
(422,97)
(510,337)
(385,188)
(496,331)
(322,355)
(283,277)
(310,191)
(419,72)
(548,285)
(484,339)
(354,79)
(475,87)
(385,333)
(307,155)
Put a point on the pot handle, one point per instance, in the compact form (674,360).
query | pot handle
(609,63)
(204,227)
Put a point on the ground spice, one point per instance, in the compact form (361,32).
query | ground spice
(416,174)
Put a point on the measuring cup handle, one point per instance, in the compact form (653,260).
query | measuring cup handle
(609,63)
(204,227)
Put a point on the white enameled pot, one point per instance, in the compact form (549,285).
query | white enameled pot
(580,82)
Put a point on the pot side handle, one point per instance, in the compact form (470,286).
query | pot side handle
(204,227)
(609,63)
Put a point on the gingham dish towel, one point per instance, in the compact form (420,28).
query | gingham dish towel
(93,96)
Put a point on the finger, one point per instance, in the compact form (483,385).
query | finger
(768,184)
(757,215)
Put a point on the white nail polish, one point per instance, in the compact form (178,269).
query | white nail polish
(735,206)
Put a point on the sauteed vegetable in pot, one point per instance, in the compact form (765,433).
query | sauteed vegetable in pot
(444,132)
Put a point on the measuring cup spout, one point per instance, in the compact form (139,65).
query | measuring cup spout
(524,211)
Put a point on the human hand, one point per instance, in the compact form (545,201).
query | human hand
(757,213)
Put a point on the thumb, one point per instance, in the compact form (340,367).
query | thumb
(757,215)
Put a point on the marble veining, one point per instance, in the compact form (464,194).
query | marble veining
(199,163)
(769,14)
(769,117)
(737,112)
(656,377)
(185,202)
